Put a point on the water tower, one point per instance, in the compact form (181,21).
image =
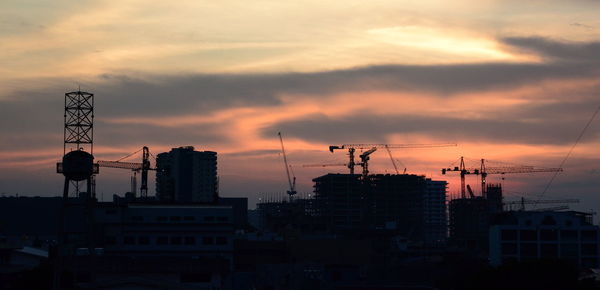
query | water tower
(78,160)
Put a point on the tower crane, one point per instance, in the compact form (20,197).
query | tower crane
(389,152)
(135,167)
(292,178)
(484,171)
(373,147)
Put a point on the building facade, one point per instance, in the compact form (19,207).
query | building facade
(413,205)
(185,175)
(528,235)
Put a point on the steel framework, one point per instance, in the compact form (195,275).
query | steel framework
(79,120)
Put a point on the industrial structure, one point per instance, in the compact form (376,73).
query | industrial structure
(136,168)
(484,170)
(371,148)
(291,179)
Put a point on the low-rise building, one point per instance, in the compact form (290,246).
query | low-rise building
(527,235)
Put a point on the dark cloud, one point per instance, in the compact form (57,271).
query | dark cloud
(35,112)
(569,51)
(368,128)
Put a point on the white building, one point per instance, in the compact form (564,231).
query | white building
(527,235)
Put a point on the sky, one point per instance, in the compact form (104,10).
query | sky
(511,82)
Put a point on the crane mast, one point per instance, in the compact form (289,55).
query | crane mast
(291,182)
(135,167)
(484,171)
(373,147)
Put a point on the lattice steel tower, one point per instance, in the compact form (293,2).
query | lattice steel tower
(78,160)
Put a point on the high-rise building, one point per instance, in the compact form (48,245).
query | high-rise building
(185,175)
(412,204)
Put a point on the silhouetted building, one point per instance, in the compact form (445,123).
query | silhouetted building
(240,210)
(185,175)
(469,223)
(470,219)
(527,235)
(413,205)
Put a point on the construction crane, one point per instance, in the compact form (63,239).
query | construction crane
(135,167)
(352,149)
(292,178)
(324,165)
(393,161)
(484,171)
(522,202)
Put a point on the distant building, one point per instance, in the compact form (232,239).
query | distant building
(527,235)
(470,219)
(185,175)
(413,205)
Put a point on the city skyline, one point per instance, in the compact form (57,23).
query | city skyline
(504,80)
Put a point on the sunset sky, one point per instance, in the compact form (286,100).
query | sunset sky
(509,81)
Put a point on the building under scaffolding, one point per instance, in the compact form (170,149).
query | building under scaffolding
(470,218)
(412,205)
(409,205)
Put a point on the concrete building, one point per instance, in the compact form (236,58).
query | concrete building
(527,235)
(185,175)
(413,205)
(470,219)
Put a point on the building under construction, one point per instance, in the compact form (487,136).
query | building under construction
(412,205)
(470,218)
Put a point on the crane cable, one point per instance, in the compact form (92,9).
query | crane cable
(567,156)
(127,156)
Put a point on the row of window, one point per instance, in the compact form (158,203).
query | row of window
(167,240)
(183,218)
(549,250)
(548,235)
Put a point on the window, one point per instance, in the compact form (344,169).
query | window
(548,250)
(143,240)
(189,240)
(161,218)
(508,235)
(189,218)
(222,218)
(162,240)
(528,250)
(175,218)
(175,240)
(548,235)
(568,235)
(528,235)
(589,250)
(509,249)
(221,241)
(589,235)
(129,240)
(208,240)
(209,218)
(569,250)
